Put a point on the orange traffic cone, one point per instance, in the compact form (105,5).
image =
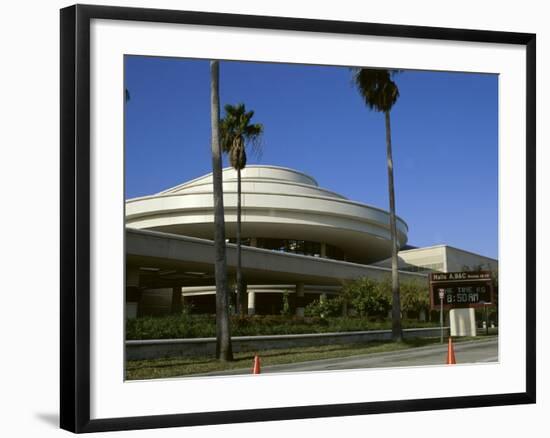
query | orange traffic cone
(451,360)
(256,366)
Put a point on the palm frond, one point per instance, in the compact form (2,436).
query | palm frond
(236,132)
(377,87)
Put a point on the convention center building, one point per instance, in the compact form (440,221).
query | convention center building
(298,240)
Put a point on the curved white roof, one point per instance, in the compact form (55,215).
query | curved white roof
(277,202)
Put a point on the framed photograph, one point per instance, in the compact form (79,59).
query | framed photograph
(337,218)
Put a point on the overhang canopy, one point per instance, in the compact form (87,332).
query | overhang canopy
(189,261)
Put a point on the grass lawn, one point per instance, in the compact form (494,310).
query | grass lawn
(172,367)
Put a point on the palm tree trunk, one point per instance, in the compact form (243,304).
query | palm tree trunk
(397,334)
(223,336)
(240,297)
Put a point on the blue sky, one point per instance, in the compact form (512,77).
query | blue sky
(444,133)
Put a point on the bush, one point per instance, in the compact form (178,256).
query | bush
(414,296)
(171,327)
(324,308)
(368,297)
(203,326)
(286,305)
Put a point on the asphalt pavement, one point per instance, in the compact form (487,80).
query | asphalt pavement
(468,352)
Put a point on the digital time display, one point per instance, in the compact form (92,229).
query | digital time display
(466,295)
(461,291)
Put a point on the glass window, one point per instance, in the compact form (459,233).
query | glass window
(295,246)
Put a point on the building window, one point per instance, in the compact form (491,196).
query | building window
(335,253)
(244,241)
(296,246)
(429,267)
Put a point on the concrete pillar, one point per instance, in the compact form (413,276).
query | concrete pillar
(253,242)
(324,250)
(251,302)
(300,304)
(133,292)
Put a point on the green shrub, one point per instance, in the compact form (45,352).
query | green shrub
(286,305)
(414,296)
(368,297)
(199,326)
(183,325)
(324,308)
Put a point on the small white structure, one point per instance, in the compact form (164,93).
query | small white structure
(463,322)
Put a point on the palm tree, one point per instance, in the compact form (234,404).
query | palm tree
(223,336)
(236,133)
(380,93)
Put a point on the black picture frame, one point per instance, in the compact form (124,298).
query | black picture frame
(75,217)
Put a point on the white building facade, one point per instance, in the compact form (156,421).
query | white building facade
(441,258)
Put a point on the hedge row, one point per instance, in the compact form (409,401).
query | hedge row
(198,326)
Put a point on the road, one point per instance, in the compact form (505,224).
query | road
(465,352)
